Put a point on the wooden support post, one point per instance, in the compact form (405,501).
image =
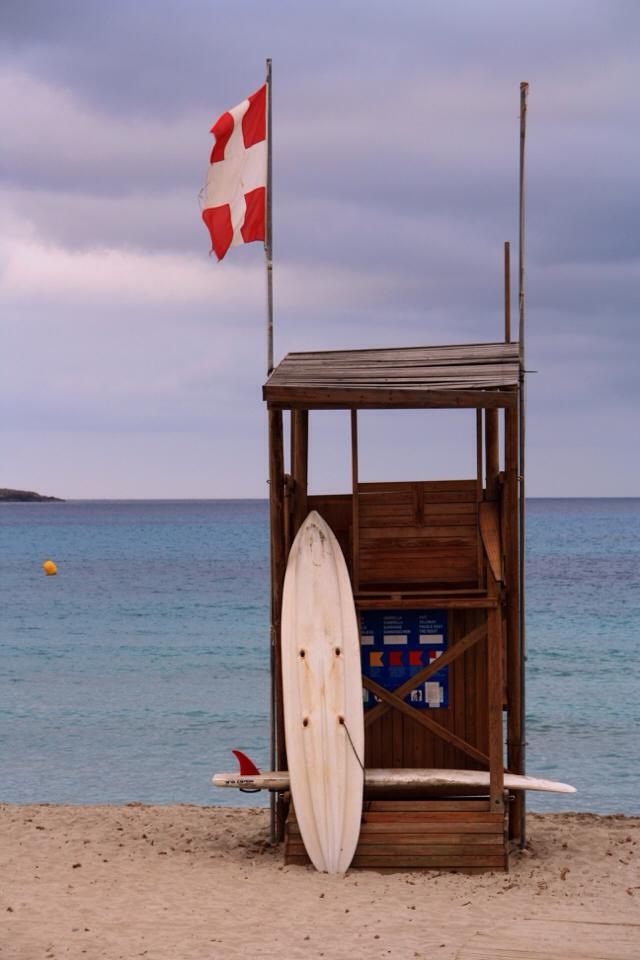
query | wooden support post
(492,444)
(278,562)
(355,546)
(492,539)
(299,466)
(514,650)
(288,496)
(479,459)
(494,692)
(479,451)
(507,292)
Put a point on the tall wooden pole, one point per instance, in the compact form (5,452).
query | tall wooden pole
(524,90)
(268,236)
(278,561)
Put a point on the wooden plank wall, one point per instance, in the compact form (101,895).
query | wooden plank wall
(395,740)
(429,834)
(422,534)
(336,510)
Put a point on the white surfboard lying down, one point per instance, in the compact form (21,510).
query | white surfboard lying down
(400,779)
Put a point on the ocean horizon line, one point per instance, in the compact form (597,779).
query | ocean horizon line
(266,499)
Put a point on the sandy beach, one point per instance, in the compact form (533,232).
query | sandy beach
(186,882)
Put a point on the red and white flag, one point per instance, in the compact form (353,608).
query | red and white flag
(234,198)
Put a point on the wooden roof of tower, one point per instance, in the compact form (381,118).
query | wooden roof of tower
(461,375)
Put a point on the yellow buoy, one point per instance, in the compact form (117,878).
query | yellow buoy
(49,568)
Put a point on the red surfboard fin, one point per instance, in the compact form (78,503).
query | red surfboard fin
(247,766)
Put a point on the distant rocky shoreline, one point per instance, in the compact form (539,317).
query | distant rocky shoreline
(25,496)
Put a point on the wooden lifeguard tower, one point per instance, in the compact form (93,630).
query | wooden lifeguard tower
(437,575)
(429,550)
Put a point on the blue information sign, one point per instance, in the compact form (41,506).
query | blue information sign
(396,644)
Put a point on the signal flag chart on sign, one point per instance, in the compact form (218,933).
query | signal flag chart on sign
(396,645)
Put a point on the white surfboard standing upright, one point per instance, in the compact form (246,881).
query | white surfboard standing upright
(322,697)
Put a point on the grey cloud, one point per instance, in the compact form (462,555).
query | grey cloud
(163,57)
(395,145)
(143,220)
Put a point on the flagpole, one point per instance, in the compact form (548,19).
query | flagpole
(268,241)
(524,91)
(268,255)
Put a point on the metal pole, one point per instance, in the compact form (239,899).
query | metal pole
(524,90)
(268,253)
(268,238)
(273,828)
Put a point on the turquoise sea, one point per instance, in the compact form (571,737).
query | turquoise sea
(132,674)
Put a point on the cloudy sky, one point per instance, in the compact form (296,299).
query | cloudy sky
(132,362)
